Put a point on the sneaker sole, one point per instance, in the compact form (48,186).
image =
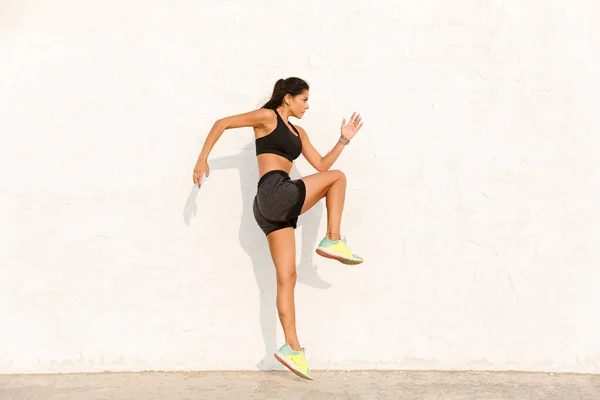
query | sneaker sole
(292,367)
(343,260)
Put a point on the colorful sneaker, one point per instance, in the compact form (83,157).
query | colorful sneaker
(294,361)
(338,250)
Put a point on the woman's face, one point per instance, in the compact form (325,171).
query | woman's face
(299,104)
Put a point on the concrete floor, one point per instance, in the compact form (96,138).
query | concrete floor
(285,385)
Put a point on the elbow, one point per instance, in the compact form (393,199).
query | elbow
(322,168)
(220,124)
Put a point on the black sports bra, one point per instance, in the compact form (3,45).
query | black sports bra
(281,141)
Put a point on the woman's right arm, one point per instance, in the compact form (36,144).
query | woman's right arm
(255,118)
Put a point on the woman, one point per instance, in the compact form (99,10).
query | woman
(280,200)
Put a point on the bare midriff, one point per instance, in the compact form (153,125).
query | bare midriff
(270,162)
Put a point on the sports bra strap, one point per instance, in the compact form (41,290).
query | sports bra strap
(294,128)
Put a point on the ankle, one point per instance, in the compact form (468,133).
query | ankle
(295,346)
(334,236)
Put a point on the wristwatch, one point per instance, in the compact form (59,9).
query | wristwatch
(343,141)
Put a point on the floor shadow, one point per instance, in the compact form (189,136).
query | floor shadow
(254,243)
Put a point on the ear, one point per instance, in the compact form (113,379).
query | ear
(287,99)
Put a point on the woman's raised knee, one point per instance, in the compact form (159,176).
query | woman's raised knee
(340,175)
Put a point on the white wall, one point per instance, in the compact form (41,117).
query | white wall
(473,187)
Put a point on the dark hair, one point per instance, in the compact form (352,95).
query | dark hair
(292,85)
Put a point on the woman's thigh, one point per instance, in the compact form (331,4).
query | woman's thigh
(317,186)
(282,246)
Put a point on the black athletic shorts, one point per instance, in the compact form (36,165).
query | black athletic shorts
(278,201)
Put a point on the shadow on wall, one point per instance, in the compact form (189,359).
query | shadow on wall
(254,243)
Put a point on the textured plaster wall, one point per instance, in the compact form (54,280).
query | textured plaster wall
(472,189)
